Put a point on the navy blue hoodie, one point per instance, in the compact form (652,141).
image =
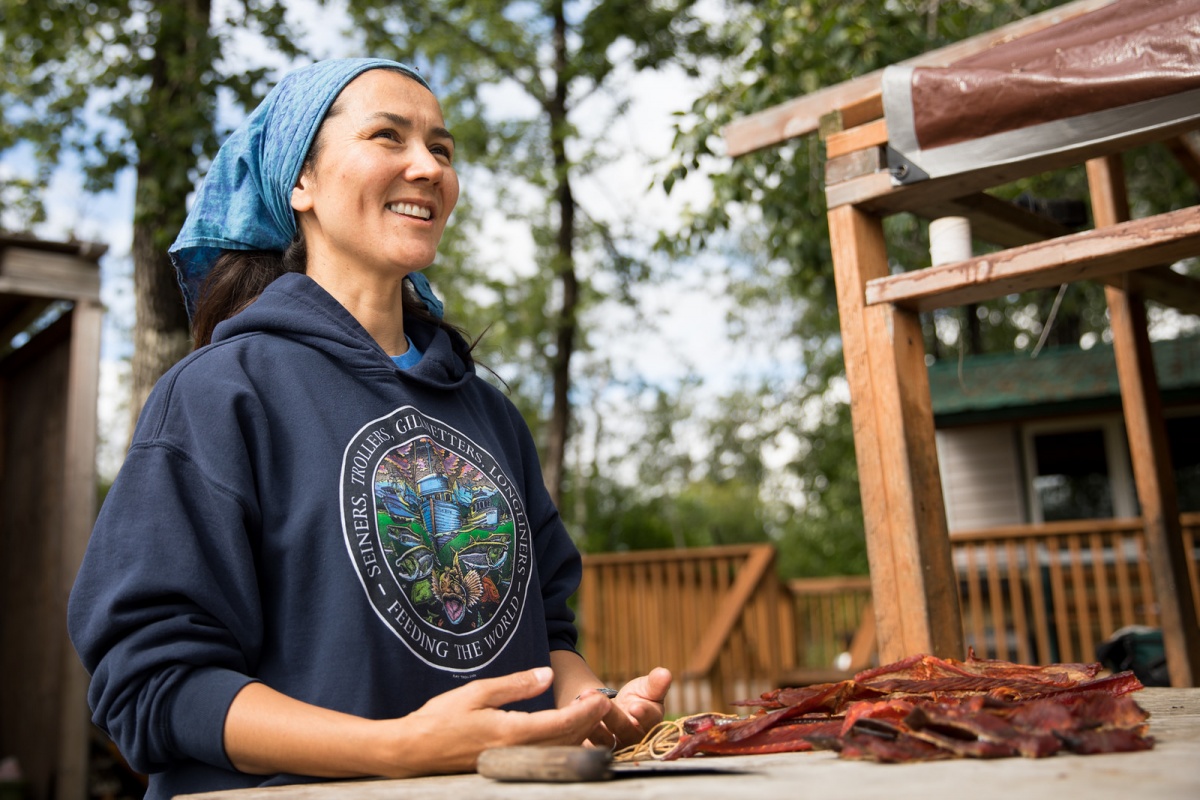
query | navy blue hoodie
(296,510)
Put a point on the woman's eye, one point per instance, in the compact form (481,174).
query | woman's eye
(386,134)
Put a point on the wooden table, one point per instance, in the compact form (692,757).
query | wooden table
(1170,770)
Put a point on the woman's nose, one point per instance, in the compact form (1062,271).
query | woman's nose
(423,164)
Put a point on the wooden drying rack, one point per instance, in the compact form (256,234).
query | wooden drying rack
(912,576)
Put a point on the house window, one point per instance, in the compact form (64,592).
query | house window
(1079,471)
(1072,475)
(1183,435)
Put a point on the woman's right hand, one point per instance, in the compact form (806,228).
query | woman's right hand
(267,732)
(448,733)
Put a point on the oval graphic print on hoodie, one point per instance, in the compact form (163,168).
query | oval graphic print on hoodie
(439,536)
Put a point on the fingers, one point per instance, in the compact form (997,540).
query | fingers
(479,722)
(652,687)
(658,682)
(572,724)
(496,692)
(568,725)
(600,737)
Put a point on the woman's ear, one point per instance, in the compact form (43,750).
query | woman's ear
(302,198)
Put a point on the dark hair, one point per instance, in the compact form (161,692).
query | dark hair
(236,280)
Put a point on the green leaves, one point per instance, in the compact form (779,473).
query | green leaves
(120,83)
(770,207)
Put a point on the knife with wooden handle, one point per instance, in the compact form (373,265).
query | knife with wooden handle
(555,764)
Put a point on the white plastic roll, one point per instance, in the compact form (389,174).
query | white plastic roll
(949,240)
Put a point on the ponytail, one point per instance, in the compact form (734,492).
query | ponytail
(236,280)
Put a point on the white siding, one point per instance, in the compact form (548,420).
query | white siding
(981,477)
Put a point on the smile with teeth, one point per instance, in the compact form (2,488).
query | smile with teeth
(410,210)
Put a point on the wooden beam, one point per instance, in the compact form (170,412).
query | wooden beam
(912,577)
(855,165)
(1162,285)
(877,193)
(852,114)
(870,134)
(1149,448)
(802,115)
(1162,239)
(41,273)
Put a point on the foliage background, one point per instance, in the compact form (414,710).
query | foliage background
(707,396)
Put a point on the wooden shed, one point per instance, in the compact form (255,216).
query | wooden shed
(1080,84)
(50,321)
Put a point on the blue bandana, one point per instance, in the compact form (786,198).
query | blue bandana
(245,200)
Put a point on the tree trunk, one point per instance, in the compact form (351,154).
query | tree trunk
(161,334)
(560,415)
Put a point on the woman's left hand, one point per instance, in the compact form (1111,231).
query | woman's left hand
(637,708)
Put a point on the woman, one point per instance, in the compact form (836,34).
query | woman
(329,552)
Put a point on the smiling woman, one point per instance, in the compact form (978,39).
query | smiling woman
(373,201)
(329,551)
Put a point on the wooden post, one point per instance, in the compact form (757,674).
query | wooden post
(1148,445)
(912,576)
(79,514)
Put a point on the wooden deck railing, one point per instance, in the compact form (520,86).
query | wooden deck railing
(834,628)
(714,616)
(728,629)
(1036,594)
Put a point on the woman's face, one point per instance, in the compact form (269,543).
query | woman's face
(377,197)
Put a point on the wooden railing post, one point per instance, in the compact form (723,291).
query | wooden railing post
(1149,449)
(751,574)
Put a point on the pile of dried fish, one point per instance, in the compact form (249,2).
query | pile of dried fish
(925,708)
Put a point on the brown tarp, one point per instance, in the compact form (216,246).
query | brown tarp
(1051,88)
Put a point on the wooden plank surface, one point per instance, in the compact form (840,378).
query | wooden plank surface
(1168,772)
(855,165)
(852,114)
(44,274)
(1088,255)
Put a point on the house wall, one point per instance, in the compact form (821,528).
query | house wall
(987,470)
(982,479)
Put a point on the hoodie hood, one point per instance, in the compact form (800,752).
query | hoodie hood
(295,307)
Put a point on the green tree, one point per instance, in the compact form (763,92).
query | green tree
(131,84)
(552,56)
(770,206)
